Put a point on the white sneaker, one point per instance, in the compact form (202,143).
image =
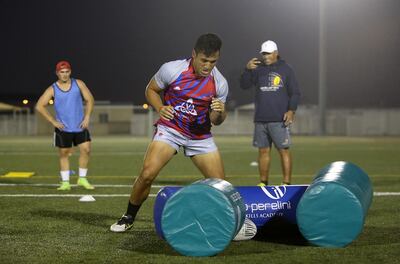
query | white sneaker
(123,224)
(247,232)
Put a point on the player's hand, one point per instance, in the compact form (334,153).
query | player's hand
(58,125)
(253,63)
(217,105)
(288,118)
(85,123)
(166,112)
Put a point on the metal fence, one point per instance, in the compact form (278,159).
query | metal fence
(138,121)
(19,123)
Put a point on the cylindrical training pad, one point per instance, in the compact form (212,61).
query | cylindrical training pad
(201,219)
(162,196)
(332,211)
(261,203)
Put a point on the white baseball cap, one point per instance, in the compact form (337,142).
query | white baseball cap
(269,46)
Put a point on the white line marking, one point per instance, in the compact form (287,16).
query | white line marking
(386,193)
(127,195)
(54,153)
(68,195)
(73,185)
(107,186)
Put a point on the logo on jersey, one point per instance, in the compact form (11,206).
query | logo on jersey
(274,83)
(275,192)
(177,88)
(187,107)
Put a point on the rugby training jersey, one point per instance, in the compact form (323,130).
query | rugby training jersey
(69,107)
(190,96)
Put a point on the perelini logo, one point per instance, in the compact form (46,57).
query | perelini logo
(187,107)
(277,191)
(259,207)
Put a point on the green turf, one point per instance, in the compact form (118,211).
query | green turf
(63,230)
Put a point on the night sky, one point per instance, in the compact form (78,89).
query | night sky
(116,46)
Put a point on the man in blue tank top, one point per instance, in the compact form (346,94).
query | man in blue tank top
(71,121)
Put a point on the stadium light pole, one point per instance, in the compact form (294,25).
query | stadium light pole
(322,84)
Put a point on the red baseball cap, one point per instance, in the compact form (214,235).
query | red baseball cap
(62,65)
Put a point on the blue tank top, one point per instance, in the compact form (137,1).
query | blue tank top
(69,107)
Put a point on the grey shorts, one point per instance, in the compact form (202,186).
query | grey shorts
(176,140)
(272,132)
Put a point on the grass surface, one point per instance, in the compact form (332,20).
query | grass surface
(63,230)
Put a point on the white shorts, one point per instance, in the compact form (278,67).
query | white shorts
(176,140)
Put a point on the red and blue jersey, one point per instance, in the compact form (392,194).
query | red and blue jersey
(190,96)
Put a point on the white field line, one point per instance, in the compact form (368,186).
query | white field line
(106,186)
(73,185)
(247,176)
(68,195)
(386,193)
(121,153)
(127,195)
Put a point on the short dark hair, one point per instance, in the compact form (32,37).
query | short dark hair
(208,44)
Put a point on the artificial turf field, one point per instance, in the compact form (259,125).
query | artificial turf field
(39,224)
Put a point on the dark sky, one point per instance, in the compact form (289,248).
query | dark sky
(116,46)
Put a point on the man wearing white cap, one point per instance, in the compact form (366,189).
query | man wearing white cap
(276,99)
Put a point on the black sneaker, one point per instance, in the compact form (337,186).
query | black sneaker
(123,224)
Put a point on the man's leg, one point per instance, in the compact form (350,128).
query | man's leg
(264,161)
(281,137)
(84,150)
(64,169)
(210,164)
(157,156)
(64,158)
(84,156)
(262,140)
(286,162)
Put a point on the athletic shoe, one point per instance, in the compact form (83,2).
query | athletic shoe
(123,224)
(85,183)
(261,184)
(247,232)
(65,186)
(285,183)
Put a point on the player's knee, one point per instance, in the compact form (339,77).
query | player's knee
(64,153)
(284,151)
(85,151)
(147,176)
(264,151)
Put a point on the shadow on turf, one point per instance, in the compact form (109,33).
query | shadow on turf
(374,235)
(95,219)
(277,230)
(146,241)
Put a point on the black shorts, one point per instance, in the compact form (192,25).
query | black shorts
(66,139)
